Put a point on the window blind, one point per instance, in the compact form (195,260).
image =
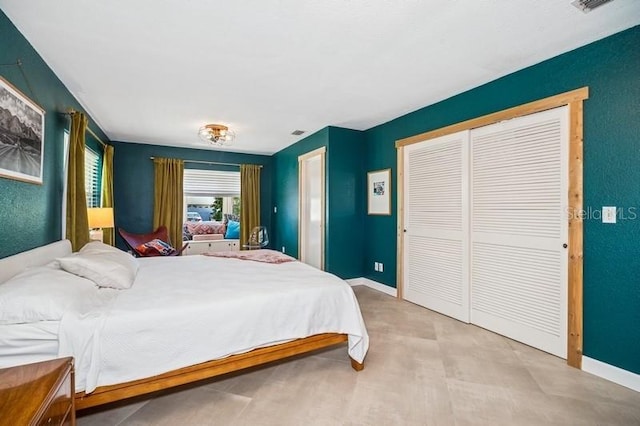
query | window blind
(91,168)
(211,183)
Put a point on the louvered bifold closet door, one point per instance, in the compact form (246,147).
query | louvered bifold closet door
(436,225)
(519,181)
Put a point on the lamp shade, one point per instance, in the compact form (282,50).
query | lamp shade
(100,217)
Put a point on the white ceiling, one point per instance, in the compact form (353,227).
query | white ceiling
(154,71)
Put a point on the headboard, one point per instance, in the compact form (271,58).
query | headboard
(13,265)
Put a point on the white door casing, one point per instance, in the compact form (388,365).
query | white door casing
(311,193)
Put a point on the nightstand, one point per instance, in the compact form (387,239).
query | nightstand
(38,394)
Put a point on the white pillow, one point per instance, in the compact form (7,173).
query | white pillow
(43,293)
(104,265)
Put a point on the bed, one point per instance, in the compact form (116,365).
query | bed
(183,319)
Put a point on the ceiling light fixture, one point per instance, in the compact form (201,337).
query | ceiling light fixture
(216,134)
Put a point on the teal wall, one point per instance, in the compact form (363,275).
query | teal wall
(30,214)
(344,198)
(611,69)
(133,181)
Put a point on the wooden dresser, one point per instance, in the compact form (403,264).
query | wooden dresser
(38,394)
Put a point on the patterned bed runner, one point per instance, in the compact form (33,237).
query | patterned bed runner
(262,255)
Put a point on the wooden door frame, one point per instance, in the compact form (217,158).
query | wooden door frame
(574,99)
(301,159)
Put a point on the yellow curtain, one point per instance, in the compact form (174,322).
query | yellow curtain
(107,191)
(168,198)
(249,200)
(77,222)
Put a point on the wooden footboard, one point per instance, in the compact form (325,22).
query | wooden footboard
(209,369)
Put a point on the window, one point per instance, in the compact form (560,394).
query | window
(211,193)
(92,177)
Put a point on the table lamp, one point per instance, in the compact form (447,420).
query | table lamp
(99,217)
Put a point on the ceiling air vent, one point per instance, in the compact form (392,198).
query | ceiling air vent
(297,132)
(588,5)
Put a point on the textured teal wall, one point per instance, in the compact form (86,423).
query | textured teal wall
(285,189)
(30,214)
(611,69)
(346,202)
(133,181)
(344,198)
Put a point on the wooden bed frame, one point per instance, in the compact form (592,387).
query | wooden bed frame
(209,369)
(15,264)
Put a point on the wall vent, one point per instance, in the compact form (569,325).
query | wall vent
(588,5)
(297,132)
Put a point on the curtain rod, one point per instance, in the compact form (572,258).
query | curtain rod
(213,163)
(70,112)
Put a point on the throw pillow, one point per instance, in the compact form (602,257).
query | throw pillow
(233,230)
(156,247)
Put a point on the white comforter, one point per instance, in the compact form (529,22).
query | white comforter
(186,310)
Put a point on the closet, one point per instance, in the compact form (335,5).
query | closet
(485,227)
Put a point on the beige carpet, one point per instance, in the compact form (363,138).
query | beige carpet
(422,369)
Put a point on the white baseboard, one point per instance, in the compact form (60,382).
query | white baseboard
(374,285)
(614,374)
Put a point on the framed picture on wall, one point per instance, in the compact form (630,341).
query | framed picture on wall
(379,192)
(21,135)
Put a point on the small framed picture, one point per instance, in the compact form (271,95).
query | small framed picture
(379,192)
(21,135)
